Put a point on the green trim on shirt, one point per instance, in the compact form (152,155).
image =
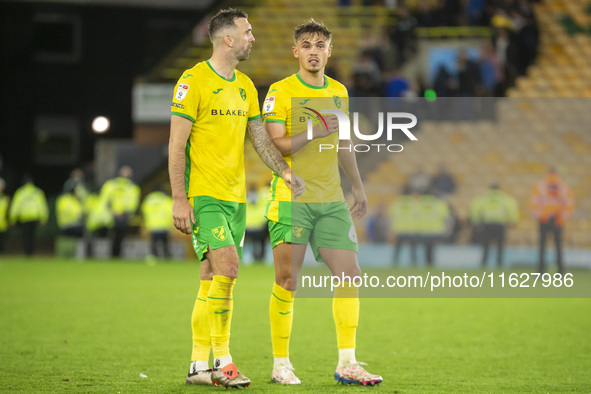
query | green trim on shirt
(183,115)
(274,186)
(313,87)
(187,165)
(254,117)
(225,79)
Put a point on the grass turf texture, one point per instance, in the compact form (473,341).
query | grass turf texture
(95,326)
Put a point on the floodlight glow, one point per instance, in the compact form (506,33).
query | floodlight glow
(101,124)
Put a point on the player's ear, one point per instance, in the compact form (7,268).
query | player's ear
(229,40)
(295,52)
(329,50)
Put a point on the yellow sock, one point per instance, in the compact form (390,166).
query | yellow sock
(200,325)
(219,311)
(281,315)
(345,310)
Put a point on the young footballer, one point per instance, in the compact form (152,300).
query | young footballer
(320,216)
(213,106)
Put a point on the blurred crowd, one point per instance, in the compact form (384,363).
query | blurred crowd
(386,65)
(421,215)
(102,218)
(85,214)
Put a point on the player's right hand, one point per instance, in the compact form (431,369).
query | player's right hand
(333,127)
(182,215)
(294,183)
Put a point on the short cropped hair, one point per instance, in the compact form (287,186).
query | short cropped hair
(311,27)
(224,18)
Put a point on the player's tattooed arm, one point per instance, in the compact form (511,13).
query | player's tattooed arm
(265,147)
(272,157)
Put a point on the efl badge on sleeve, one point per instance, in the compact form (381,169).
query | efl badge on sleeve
(269,104)
(181,91)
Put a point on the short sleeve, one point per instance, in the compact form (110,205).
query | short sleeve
(185,100)
(345,100)
(254,111)
(275,107)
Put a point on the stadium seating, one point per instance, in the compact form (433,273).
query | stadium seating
(529,137)
(273,22)
(563,66)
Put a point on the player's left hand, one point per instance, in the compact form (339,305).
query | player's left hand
(359,207)
(294,183)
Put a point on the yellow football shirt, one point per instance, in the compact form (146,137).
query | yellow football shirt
(319,169)
(220,109)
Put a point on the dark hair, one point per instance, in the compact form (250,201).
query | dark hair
(311,27)
(223,19)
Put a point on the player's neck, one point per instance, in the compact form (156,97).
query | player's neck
(314,79)
(223,65)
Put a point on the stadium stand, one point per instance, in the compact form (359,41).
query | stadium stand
(529,135)
(516,150)
(273,22)
(563,66)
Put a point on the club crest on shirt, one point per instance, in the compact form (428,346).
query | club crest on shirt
(220,233)
(181,91)
(337,101)
(269,104)
(243,94)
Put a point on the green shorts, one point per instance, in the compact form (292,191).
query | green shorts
(218,224)
(323,225)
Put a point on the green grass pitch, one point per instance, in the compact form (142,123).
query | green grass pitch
(96,326)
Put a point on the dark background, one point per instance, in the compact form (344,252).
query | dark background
(44,73)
